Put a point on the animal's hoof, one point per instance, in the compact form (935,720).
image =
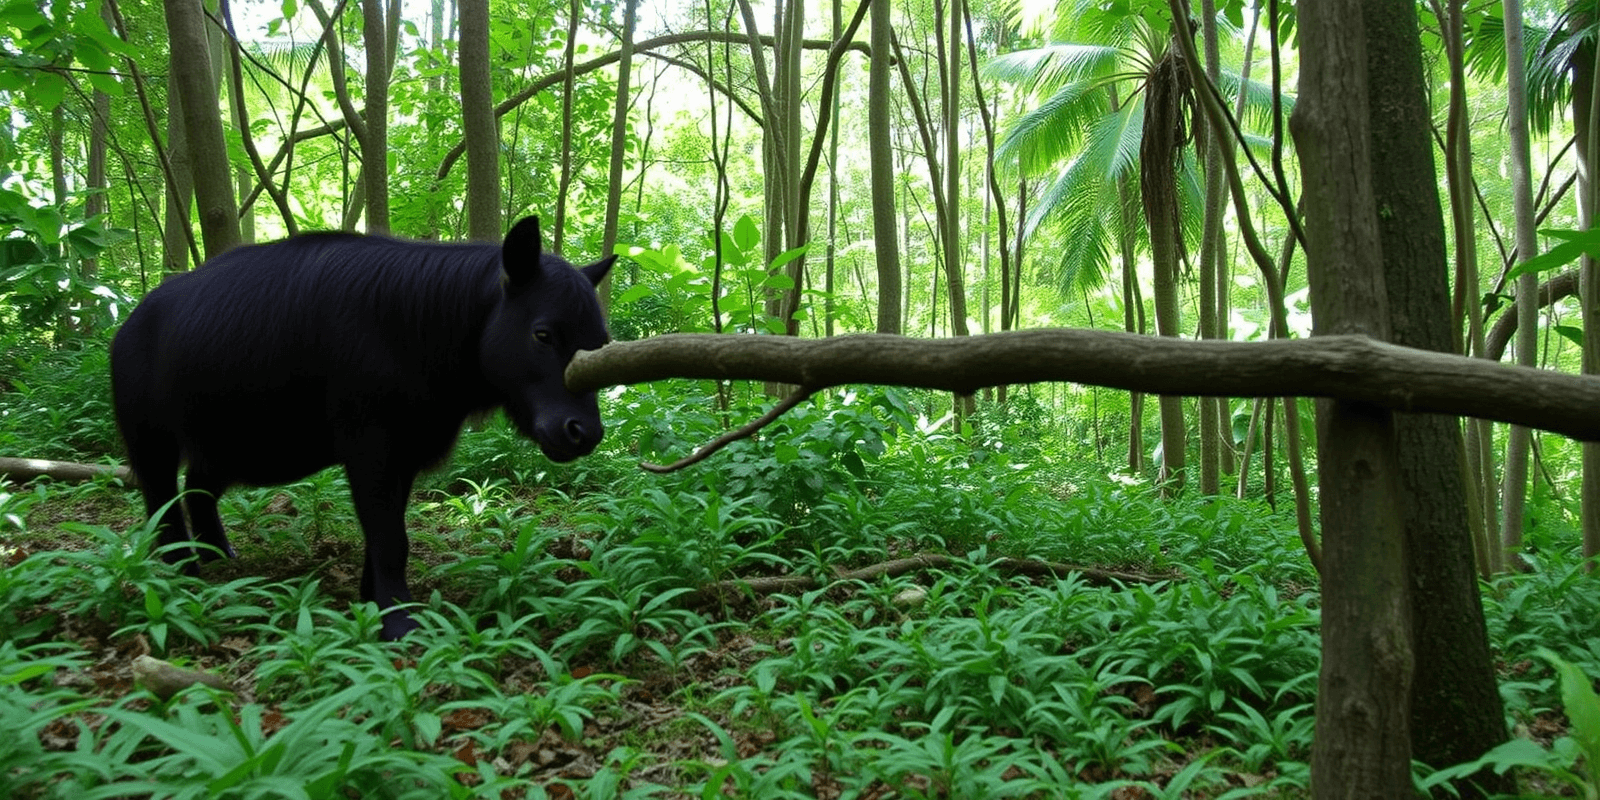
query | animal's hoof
(396,625)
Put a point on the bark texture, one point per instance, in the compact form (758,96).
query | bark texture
(479,126)
(1363,738)
(1456,712)
(202,126)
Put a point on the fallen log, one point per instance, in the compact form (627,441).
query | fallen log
(26,469)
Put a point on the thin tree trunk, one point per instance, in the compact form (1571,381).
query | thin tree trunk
(564,185)
(479,126)
(1158,155)
(375,146)
(1586,123)
(202,125)
(885,220)
(1211,260)
(619,140)
(1133,320)
(833,190)
(1514,493)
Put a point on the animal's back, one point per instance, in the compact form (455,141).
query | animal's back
(265,361)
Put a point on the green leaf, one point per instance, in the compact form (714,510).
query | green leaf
(47,90)
(1574,245)
(787,256)
(746,234)
(1571,333)
(1583,709)
(634,293)
(429,726)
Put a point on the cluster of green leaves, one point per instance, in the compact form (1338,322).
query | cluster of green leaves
(55,403)
(330,702)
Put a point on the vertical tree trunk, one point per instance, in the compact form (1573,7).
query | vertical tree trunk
(1586,126)
(885,222)
(1211,256)
(375,147)
(619,139)
(1133,320)
(828,287)
(1514,493)
(1466,307)
(1362,745)
(1158,153)
(239,116)
(478,124)
(176,232)
(191,81)
(569,61)
(1456,713)
(955,280)
(98,185)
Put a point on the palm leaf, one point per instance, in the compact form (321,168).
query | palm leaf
(1045,69)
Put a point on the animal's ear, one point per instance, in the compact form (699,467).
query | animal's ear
(596,272)
(520,253)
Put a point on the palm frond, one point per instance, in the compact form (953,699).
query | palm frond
(1550,52)
(1085,250)
(1257,99)
(1045,69)
(1045,135)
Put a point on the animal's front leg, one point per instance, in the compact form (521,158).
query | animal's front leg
(380,495)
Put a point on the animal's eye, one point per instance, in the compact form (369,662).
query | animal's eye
(543,336)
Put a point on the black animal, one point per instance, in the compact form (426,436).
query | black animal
(271,362)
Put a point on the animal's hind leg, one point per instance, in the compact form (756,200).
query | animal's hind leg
(154,459)
(204,489)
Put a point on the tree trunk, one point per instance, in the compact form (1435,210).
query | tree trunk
(1211,257)
(569,60)
(619,140)
(950,225)
(1515,476)
(191,81)
(885,222)
(375,147)
(1362,739)
(1133,320)
(1586,126)
(479,126)
(1456,712)
(177,231)
(1158,153)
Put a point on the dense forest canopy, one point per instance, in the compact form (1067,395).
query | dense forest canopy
(938,168)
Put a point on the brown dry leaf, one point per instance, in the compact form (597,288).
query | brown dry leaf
(467,753)
(273,720)
(466,719)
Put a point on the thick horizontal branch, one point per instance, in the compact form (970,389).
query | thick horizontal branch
(1352,368)
(26,469)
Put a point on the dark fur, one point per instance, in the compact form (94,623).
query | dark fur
(271,362)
